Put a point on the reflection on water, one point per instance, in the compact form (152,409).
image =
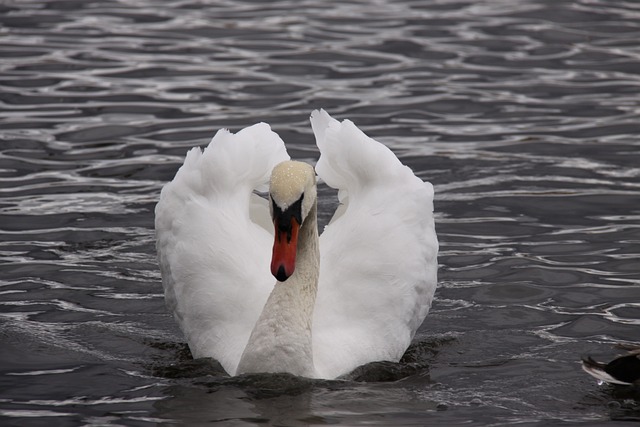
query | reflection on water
(523,115)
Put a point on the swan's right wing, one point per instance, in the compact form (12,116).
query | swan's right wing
(214,243)
(377,256)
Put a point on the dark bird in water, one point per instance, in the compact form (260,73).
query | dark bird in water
(623,370)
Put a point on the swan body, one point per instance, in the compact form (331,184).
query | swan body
(251,283)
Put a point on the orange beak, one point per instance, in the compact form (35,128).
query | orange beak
(283,260)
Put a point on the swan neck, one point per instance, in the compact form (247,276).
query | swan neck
(281,339)
(308,256)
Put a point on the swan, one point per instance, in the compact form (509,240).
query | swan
(252,284)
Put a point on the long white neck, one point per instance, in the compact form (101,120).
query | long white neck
(281,339)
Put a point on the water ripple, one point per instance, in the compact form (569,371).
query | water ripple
(523,115)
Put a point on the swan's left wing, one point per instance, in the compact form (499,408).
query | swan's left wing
(214,242)
(378,255)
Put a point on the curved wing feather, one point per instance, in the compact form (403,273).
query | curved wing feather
(378,256)
(213,247)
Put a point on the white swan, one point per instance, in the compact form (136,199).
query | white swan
(354,295)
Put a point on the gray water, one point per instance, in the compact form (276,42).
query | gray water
(524,116)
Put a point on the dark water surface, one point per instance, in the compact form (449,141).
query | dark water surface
(524,115)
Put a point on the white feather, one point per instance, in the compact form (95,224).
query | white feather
(378,259)
(377,256)
(214,259)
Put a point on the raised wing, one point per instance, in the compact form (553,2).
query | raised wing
(378,256)
(213,245)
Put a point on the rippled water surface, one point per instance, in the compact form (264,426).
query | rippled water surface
(524,116)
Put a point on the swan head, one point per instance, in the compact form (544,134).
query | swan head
(292,192)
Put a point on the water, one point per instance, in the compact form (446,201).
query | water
(524,115)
